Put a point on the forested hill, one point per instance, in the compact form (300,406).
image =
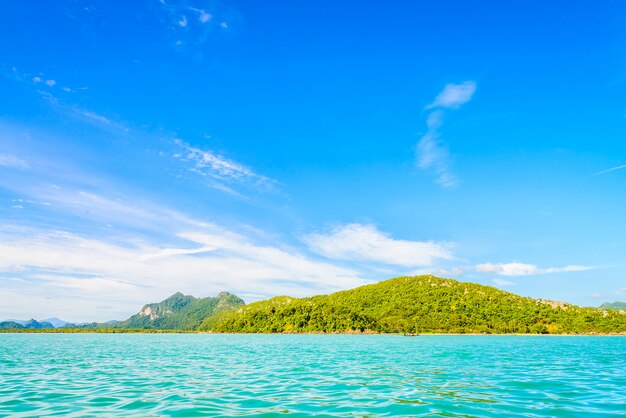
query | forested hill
(614,305)
(178,312)
(416,305)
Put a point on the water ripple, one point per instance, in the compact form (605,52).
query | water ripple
(334,375)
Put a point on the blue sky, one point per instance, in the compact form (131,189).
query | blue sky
(302,148)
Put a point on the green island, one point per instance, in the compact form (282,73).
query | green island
(403,305)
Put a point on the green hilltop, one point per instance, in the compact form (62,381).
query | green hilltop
(178,312)
(614,305)
(422,304)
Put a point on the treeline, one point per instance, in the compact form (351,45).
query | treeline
(99,330)
(423,304)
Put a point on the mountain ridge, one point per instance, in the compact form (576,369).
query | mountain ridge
(25,324)
(178,311)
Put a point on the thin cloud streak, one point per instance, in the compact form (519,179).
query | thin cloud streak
(431,152)
(9,160)
(619,167)
(522,269)
(221,169)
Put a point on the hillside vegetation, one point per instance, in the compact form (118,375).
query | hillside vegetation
(423,304)
(614,305)
(178,312)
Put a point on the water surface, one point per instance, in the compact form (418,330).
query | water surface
(327,375)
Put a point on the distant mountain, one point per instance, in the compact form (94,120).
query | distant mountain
(56,322)
(30,324)
(18,321)
(417,305)
(179,312)
(10,325)
(34,324)
(614,305)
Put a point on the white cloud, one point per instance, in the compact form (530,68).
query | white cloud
(92,285)
(431,152)
(206,261)
(522,269)
(502,282)
(51,83)
(208,163)
(366,243)
(619,167)
(195,25)
(94,116)
(454,95)
(453,272)
(9,160)
(224,25)
(155,252)
(37,80)
(203,16)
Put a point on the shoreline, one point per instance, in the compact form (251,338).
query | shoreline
(184,332)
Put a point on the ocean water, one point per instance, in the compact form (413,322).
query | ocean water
(326,375)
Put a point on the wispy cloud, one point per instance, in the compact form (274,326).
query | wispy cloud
(453,272)
(611,295)
(116,249)
(523,269)
(454,95)
(208,163)
(432,153)
(9,160)
(51,95)
(203,16)
(192,27)
(93,116)
(38,80)
(207,259)
(502,282)
(366,243)
(619,167)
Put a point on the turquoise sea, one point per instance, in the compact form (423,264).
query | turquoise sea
(326,375)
